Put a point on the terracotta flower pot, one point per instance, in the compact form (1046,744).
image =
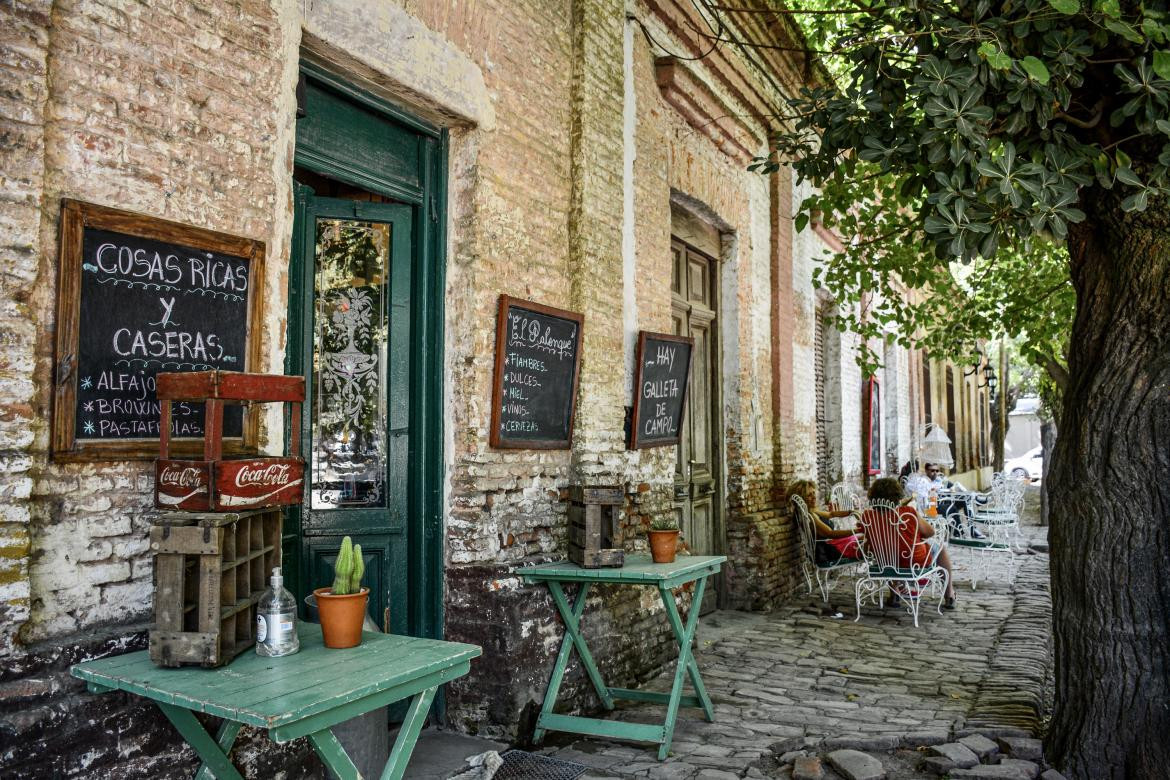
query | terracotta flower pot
(341,616)
(663,545)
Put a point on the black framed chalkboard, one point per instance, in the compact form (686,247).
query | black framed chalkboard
(138,296)
(661,375)
(538,364)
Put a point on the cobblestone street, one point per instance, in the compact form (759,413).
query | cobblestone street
(808,676)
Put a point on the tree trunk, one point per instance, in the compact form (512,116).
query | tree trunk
(1047,442)
(1109,486)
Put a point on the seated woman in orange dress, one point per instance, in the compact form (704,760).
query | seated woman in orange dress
(832,544)
(921,546)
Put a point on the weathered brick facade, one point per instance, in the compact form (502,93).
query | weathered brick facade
(573,141)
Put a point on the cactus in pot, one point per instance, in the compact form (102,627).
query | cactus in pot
(349,569)
(343,607)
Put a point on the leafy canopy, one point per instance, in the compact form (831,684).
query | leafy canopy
(972,129)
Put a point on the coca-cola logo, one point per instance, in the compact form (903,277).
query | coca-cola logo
(181,476)
(274,474)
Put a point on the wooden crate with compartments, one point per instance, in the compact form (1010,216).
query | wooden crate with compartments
(210,570)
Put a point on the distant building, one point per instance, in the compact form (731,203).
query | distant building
(1024,424)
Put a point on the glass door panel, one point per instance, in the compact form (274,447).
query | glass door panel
(349,427)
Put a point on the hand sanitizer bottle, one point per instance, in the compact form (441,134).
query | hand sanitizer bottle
(276,620)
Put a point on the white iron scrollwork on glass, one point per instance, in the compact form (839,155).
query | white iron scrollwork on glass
(349,364)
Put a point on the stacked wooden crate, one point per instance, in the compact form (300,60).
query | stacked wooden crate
(212,567)
(595,533)
(210,571)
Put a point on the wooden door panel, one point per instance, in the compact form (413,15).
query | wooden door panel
(699,402)
(698,280)
(383,555)
(702,524)
(697,499)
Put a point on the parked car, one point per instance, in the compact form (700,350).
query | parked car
(1029,466)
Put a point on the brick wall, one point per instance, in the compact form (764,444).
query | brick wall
(24,43)
(186,111)
(168,110)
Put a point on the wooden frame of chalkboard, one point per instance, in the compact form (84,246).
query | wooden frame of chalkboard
(497,437)
(637,439)
(76,219)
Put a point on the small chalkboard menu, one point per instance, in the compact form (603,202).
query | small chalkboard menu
(663,366)
(138,296)
(538,360)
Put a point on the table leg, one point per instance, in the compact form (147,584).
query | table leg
(572,639)
(225,738)
(333,755)
(686,664)
(213,753)
(408,734)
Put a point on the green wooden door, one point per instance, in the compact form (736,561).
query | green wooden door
(350,337)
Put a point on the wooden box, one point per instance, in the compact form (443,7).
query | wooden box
(595,535)
(213,483)
(210,570)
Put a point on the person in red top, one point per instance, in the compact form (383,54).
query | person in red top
(917,533)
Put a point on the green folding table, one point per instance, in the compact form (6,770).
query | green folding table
(639,570)
(301,695)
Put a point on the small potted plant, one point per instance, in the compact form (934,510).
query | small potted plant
(343,607)
(663,539)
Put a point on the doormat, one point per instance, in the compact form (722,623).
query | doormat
(521,765)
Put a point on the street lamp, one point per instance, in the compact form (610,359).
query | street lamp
(985,374)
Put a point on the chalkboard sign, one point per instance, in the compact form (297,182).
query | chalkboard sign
(538,360)
(661,373)
(138,296)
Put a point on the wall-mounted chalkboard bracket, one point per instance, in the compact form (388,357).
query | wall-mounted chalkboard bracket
(662,369)
(537,369)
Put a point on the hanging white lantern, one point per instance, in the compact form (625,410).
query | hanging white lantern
(936,446)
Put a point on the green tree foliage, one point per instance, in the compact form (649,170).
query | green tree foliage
(968,129)
(1004,136)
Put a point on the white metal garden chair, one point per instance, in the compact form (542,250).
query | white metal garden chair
(841,496)
(987,549)
(821,573)
(889,538)
(996,513)
(918,485)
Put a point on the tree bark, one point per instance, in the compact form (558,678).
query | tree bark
(1110,502)
(1047,442)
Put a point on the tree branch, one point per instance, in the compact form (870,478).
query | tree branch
(1084,124)
(1055,370)
(793,10)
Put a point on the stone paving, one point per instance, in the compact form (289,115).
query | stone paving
(807,675)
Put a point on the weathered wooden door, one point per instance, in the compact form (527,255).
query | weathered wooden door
(365,328)
(354,301)
(697,494)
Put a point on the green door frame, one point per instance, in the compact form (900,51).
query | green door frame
(426,190)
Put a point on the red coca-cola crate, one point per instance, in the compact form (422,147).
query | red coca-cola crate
(214,483)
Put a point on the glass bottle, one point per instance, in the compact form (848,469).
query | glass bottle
(276,620)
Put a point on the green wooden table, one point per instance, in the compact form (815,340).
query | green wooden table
(639,570)
(300,695)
